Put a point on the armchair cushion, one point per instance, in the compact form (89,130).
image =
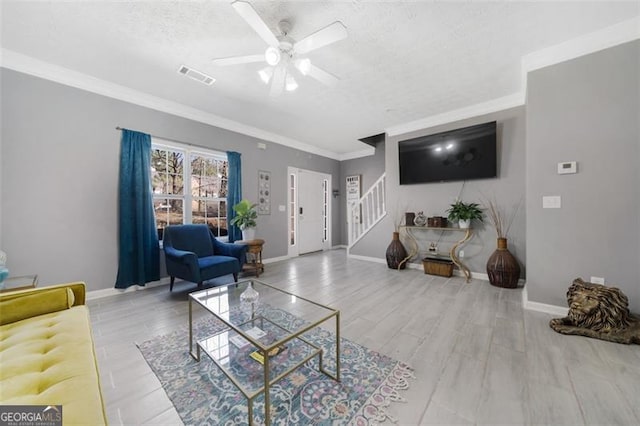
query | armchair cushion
(192,238)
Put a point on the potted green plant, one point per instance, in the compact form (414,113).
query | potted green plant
(245,219)
(464,213)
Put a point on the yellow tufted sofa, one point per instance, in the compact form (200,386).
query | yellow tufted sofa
(47,355)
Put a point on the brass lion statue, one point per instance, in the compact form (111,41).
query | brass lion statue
(600,312)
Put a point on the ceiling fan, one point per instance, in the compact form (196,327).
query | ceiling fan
(284,52)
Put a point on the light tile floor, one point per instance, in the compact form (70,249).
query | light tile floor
(479,358)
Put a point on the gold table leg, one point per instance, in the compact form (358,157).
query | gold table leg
(454,256)
(414,247)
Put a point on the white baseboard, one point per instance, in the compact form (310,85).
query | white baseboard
(366,258)
(476,275)
(542,307)
(106,292)
(275,259)
(418,266)
(526,303)
(340,246)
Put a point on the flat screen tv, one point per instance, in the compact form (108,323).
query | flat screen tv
(461,154)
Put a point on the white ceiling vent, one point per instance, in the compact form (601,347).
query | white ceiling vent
(196,75)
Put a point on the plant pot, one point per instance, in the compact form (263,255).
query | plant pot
(464,223)
(396,252)
(502,267)
(249,234)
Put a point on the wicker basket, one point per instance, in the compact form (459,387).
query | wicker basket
(440,267)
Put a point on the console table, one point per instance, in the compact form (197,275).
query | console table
(452,254)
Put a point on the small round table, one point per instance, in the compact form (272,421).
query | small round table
(19,283)
(254,255)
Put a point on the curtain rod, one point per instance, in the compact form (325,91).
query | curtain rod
(174,140)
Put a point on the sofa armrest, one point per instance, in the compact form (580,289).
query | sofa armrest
(239,251)
(22,304)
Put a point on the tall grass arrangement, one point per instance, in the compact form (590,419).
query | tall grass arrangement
(500,219)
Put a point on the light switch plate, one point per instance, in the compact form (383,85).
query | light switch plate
(551,202)
(282,208)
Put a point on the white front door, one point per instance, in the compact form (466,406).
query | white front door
(311,194)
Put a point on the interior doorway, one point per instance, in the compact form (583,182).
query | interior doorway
(309,211)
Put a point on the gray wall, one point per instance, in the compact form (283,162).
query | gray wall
(584,110)
(59,170)
(1,138)
(370,169)
(435,198)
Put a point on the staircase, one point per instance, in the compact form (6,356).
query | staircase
(367,212)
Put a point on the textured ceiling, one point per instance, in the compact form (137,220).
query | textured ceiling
(402,61)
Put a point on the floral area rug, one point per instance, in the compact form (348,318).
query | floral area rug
(202,393)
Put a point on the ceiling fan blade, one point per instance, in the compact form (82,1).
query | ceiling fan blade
(235,60)
(323,76)
(249,14)
(329,34)
(277,82)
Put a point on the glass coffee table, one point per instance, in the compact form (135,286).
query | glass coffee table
(260,342)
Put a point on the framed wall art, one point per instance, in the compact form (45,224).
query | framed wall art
(264,192)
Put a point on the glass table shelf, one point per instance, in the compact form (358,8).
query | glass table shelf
(246,372)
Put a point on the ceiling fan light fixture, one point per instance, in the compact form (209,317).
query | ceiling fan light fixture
(290,84)
(303,65)
(265,74)
(272,55)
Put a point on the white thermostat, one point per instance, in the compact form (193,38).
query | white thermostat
(568,167)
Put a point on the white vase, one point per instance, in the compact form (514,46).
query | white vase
(464,223)
(249,234)
(249,300)
(250,295)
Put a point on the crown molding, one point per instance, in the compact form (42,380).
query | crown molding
(614,35)
(367,152)
(494,105)
(611,36)
(28,65)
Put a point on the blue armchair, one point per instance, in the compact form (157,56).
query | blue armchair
(192,253)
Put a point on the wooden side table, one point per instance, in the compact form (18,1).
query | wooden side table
(254,255)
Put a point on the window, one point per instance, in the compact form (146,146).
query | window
(191,191)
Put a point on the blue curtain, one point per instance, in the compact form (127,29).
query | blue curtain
(138,251)
(234,192)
